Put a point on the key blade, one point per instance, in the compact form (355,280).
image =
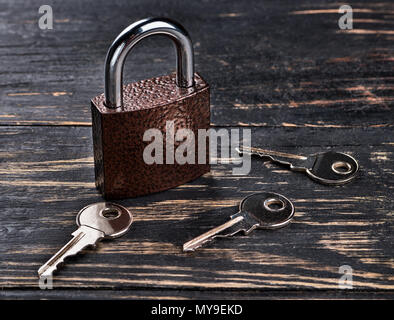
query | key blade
(294,162)
(224,230)
(82,238)
(265,152)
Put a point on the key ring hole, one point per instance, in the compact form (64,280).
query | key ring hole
(110,213)
(341,167)
(274,204)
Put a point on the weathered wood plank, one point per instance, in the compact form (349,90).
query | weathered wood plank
(266,62)
(194,294)
(47,176)
(284,67)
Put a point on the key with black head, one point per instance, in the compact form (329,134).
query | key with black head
(263,210)
(331,168)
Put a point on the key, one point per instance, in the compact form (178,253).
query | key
(332,168)
(95,222)
(263,210)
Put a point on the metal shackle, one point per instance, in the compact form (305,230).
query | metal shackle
(129,37)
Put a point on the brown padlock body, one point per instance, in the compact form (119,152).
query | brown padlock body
(118,143)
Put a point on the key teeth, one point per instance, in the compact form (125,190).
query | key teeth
(42,275)
(55,267)
(45,274)
(192,248)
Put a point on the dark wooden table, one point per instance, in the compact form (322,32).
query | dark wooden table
(283,69)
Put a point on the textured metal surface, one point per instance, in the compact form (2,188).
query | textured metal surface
(118,135)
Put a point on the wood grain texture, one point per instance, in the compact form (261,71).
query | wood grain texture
(48,176)
(195,294)
(284,70)
(271,64)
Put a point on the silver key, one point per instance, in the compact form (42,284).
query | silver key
(97,221)
(263,210)
(333,168)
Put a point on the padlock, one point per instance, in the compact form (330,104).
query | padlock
(123,114)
